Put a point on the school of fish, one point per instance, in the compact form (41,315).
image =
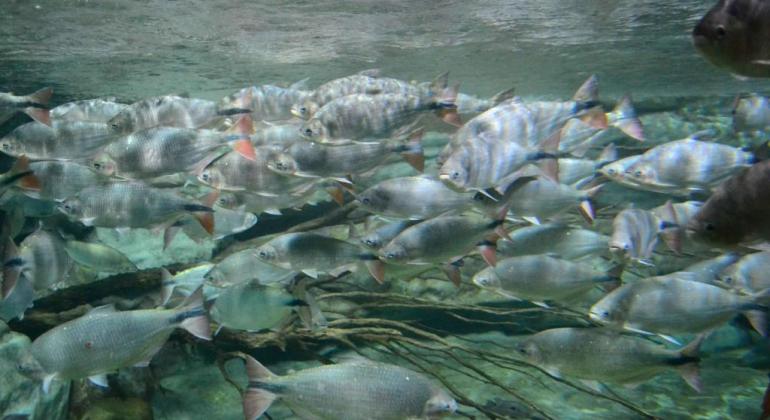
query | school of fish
(510,206)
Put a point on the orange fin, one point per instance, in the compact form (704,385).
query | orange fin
(245,149)
(42,96)
(39,114)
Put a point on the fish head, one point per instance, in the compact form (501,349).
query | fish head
(372,241)
(439,405)
(211,176)
(530,351)
(313,130)
(710,226)
(267,253)
(227,200)
(103,164)
(282,164)
(10,145)
(304,110)
(394,253)
(374,198)
(454,174)
(641,174)
(487,279)
(606,311)
(621,246)
(750,112)
(122,123)
(71,207)
(723,35)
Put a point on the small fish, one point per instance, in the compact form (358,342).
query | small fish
(374,116)
(635,234)
(281,134)
(232,172)
(245,266)
(185,282)
(711,270)
(559,239)
(378,237)
(367,82)
(105,340)
(35,105)
(56,180)
(226,222)
(313,254)
(98,257)
(133,205)
(597,354)
(251,306)
(263,103)
(414,198)
(154,152)
(737,210)
(43,259)
(732,35)
(164,111)
(356,390)
(617,171)
(308,159)
(18,300)
(539,278)
(749,274)
(687,166)
(751,113)
(90,110)
(243,201)
(673,304)
(70,140)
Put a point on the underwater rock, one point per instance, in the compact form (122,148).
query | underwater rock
(20,388)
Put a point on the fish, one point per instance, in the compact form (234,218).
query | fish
(573,171)
(133,205)
(736,212)
(314,160)
(359,389)
(269,134)
(381,116)
(414,198)
(444,240)
(185,282)
(263,103)
(70,140)
(35,105)
(540,278)
(688,166)
(751,113)
(233,172)
(673,304)
(243,201)
(748,275)
(43,259)
(379,236)
(89,110)
(226,222)
(635,234)
(600,355)
(18,300)
(154,152)
(56,180)
(732,35)
(469,104)
(104,340)
(617,171)
(313,254)
(244,266)
(251,306)
(578,136)
(556,239)
(711,270)
(99,257)
(366,82)
(164,111)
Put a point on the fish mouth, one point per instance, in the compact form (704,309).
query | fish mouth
(595,317)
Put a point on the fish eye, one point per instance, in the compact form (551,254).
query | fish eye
(366,201)
(455,176)
(369,242)
(638,174)
(391,256)
(262,254)
(721,32)
(611,171)
(303,110)
(626,247)
(205,177)
(728,279)
(97,165)
(308,132)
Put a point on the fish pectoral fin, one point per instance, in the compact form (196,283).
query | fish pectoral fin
(99,380)
(104,309)
(532,219)
(88,221)
(691,374)
(541,304)
(553,372)
(670,339)
(256,401)
(47,382)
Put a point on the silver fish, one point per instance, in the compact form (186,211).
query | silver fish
(35,105)
(62,179)
(99,257)
(276,134)
(749,274)
(90,110)
(131,204)
(104,340)
(164,111)
(70,140)
(673,304)
(597,354)
(577,136)
(565,241)
(413,198)
(251,306)
(245,266)
(357,390)
(572,171)
(751,113)
(539,278)
(635,234)
(379,236)
(711,270)
(232,172)
(264,103)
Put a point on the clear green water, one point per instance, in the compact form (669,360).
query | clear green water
(545,49)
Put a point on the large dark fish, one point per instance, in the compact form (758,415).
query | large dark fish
(734,35)
(738,210)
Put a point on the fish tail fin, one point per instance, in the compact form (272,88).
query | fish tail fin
(444,102)
(624,118)
(690,372)
(41,115)
(256,400)
(688,363)
(588,106)
(758,321)
(204,213)
(413,152)
(193,315)
(242,129)
(21,174)
(41,97)
(585,207)
(167,286)
(488,250)
(503,96)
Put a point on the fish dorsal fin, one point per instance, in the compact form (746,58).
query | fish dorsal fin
(369,73)
(299,84)
(99,380)
(588,91)
(104,309)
